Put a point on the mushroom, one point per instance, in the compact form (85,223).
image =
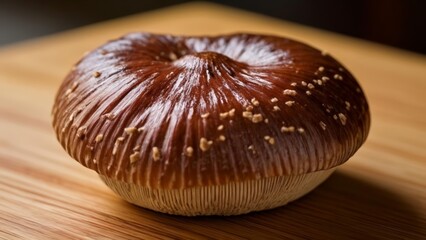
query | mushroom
(220,125)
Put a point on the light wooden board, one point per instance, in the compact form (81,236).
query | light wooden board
(44,194)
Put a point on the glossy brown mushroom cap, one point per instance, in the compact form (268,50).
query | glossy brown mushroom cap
(170,112)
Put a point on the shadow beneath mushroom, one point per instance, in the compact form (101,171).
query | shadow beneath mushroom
(342,207)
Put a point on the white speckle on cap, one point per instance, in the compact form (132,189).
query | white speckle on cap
(68,92)
(156,154)
(172,56)
(130,130)
(205,115)
(311,86)
(81,132)
(134,157)
(251,148)
(220,127)
(232,112)
(325,79)
(321,69)
(342,118)
(323,125)
(293,84)
(99,138)
(308,92)
(223,115)
(109,116)
(338,76)
(276,109)
(304,83)
(136,148)
(114,150)
(301,130)
(71,118)
(247,114)
(189,151)
(270,140)
(274,100)
(257,118)
(289,103)
(287,129)
(348,105)
(222,138)
(289,92)
(204,144)
(255,102)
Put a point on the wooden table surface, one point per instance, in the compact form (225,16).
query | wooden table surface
(44,194)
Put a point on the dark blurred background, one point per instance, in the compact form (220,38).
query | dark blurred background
(396,23)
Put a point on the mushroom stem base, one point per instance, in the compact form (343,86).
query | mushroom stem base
(228,199)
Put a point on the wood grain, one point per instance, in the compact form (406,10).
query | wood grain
(379,194)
